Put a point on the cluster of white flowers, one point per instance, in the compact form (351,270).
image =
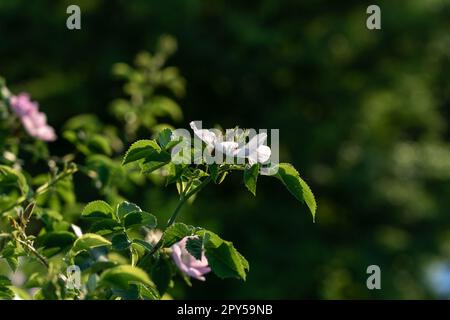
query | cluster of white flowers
(233,145)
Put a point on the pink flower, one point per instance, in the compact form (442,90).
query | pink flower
(187,263)
(35,122)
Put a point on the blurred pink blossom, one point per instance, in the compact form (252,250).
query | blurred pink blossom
(187,263)
(34,122)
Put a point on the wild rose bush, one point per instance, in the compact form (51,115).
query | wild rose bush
(111,248)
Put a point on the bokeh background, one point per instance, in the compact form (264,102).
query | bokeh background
(362,114)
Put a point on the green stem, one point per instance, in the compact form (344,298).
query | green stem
(184,198)
(34,251)
(44,188)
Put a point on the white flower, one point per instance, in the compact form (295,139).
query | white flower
(255,150)
(207,136)
(214,141)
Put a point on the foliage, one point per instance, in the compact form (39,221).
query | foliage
(363,114)
(113,252)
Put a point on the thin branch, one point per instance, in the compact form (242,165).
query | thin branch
(40,257)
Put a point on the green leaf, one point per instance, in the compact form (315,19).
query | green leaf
(163,106)
(4,281)
(214,171)
(35,280)
(161,273)
(88,241)
(174,172)
(137,291)
(149,167)
(173,143)
(97,209)
(122,276)
(162,157)
(194,246)
(139,218)
(105,226)
(224,260)
(125,208)
(221,177)
(13,263)
(120,242)
(134,253)
(56,239)
(251,177)
(99,144)
(85,122)
(99,266)
(244,262)
(176,232)
(6,293)
(140,150)
(49,291)
(13,187)
(147,246)
(11,252)
(164,137)
(147,293)
(295,184)
(103,167)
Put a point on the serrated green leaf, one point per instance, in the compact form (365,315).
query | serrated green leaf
(88,241)
(176,232)
(224,260)
(125,208)
(158,157)
(140,150)
(139,218)
(251,177)
(164,137)
(290,177)
(122,276)
(194,246)
(97,209)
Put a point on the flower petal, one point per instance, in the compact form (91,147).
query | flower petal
(205,135)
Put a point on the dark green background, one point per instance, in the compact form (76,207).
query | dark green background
(362,114)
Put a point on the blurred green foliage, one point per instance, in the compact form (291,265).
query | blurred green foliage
(365,115)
